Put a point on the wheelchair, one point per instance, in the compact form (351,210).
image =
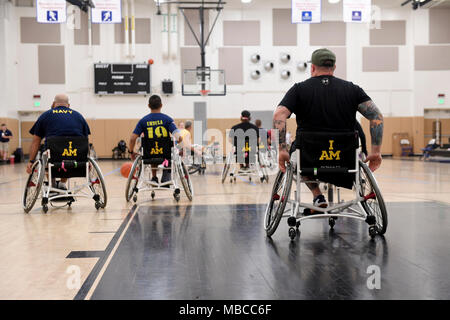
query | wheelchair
(252,165)
(333,158)
(64,157)
(196,163)
(164,153)
(120,151)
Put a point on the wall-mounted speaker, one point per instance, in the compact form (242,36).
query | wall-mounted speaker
(167,87)
(268,66)
(285,74)
(285,57)
(255,58)
(301,66)
(256,74)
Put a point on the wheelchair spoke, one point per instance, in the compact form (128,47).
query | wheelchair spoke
(373,202)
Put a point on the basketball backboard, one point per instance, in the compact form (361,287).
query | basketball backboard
(203,82)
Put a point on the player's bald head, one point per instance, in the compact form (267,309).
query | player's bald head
(61,99)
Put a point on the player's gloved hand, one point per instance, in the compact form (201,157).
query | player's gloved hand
(283,157)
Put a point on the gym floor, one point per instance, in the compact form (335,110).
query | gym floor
(215,246)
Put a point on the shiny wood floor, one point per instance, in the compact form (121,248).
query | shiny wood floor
(71,253)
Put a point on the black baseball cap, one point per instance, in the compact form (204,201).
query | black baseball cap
(245,114)
(323,58)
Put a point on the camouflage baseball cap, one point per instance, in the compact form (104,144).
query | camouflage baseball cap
(323,58)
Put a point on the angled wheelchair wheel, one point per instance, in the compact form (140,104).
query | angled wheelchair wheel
(33,186)
(226,168)
(374,204)
(133,178)
(183,173)
(280,195)
(97,184)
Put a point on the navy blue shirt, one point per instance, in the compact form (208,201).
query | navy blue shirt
(155,124)
(60,121)
(7,133)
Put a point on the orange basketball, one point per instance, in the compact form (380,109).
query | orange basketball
(125,169)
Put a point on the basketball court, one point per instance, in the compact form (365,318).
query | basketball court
(209,61)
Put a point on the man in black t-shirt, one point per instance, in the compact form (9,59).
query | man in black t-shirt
(326,103)
(245,138)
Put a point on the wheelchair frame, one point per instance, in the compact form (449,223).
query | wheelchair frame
(255,169)
(43,163)
(177,167)
(333,210)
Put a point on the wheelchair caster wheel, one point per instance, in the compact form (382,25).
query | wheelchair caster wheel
(134,198)
(297,224)
(373,231)
(331,222)
(292,233)
(262,179)
(45,208)
(97,205)
(153,196)
(176,196)
(249,178)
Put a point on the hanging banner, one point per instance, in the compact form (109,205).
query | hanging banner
(357,10)
(51,11)
(306,11)
(107,11)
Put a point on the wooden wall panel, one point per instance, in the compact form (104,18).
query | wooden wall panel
(222,125)
(414,126)
(445,130)
(25,127)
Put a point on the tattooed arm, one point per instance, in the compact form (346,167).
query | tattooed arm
(371,112)
(280,116)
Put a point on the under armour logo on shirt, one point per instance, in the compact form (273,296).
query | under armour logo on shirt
(325,81)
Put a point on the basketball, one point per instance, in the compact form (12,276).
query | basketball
(125,169)
(150,61)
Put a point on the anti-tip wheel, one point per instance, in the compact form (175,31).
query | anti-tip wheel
(331,222)
(292,233)
(373,231)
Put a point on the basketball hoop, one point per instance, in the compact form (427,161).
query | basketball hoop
(204,92)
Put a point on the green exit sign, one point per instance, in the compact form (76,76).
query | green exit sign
(441,98)
(37,103)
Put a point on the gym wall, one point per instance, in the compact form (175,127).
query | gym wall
(402,84)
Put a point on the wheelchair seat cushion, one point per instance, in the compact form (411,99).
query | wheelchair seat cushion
(69,169)
(328,156)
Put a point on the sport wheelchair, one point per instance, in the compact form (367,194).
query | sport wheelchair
(64,157)
(251,168)
(332,158)
(163,152)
